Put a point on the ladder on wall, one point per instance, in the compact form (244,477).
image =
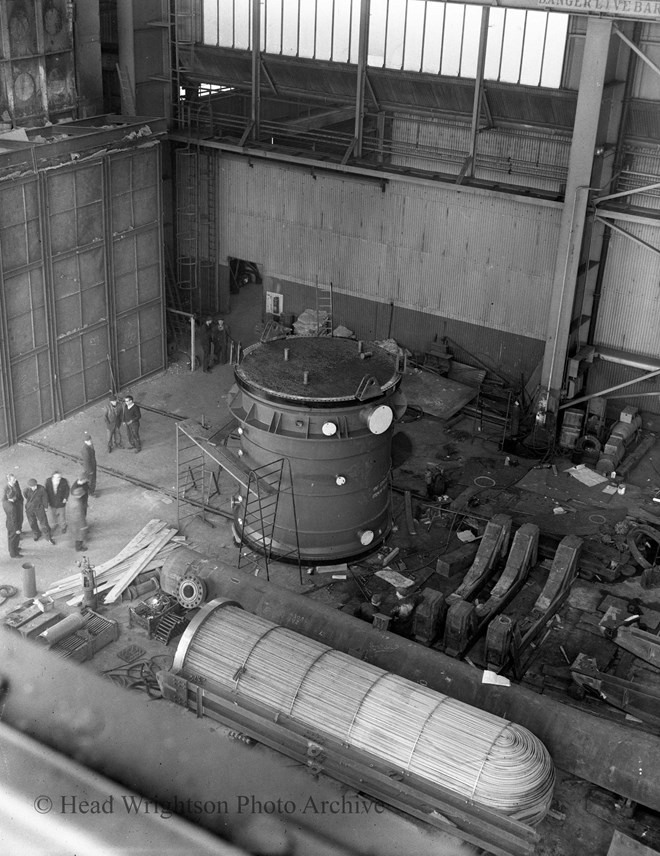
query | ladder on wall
(187,226)
(128,107)
(324,307)
(265,486)
(207,255)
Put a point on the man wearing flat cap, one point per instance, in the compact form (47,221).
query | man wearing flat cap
(88,457)
(112,419)
(36,503)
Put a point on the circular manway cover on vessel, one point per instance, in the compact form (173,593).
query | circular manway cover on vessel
(315,369)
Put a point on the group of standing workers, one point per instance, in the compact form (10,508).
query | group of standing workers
(57,505)
(117,414)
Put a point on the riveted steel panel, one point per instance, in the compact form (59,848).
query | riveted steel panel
(137,262)
(27,89)
(75,202)
(57,35)
(83,367)
(22,27)
(61,82)
(79,291)
(20,235)
(26,312)
(32,395)
(136,265)
(139,343)
(134,181)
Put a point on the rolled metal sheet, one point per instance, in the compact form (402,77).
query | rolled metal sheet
(418,731)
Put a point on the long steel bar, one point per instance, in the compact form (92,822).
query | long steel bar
(363,54)
(478,89)
(628,235)
(601,392)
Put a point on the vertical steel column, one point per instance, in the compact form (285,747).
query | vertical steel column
(363,54)
(256,68)
(592,79)
(478,89)
(126,38)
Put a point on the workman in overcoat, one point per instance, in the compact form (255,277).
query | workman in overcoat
(131,416)
(57,491)
(9,506)
(220,340)
(206,339)
(36,504)
(88,457)
(81,485)
(13,490)
(112,419)
(77,515)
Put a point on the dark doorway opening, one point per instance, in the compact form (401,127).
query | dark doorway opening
(242,273)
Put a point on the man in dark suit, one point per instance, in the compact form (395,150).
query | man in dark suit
(112,419)
(57,491)
(131,416)
(36,503)
(13,491)
(13,532)
(89,463)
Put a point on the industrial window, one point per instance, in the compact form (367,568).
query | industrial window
(524,46)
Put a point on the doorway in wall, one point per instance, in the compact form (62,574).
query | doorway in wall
(242,273)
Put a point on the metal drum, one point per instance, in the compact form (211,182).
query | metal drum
(316,418)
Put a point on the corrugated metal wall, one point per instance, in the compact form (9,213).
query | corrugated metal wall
(81,285)
(629,311)
(483,259)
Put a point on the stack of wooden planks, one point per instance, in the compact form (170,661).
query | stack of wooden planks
(145,552)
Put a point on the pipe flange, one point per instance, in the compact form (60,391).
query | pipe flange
(191,592)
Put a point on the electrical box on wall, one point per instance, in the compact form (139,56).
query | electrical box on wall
(274,303)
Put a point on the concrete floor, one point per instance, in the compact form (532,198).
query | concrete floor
(134,488)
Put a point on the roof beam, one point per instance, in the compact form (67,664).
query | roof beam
(320,120)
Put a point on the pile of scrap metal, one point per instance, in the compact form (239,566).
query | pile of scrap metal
(637,698)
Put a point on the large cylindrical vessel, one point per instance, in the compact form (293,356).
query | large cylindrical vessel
(422,734)
(324,407)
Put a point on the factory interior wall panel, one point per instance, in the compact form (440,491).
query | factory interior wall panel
(78,272)
(629,311)
(27,381)
(468,255)
(137,262)
(80,258)
(81,325)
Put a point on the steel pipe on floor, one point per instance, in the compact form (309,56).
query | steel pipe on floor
(619,758)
